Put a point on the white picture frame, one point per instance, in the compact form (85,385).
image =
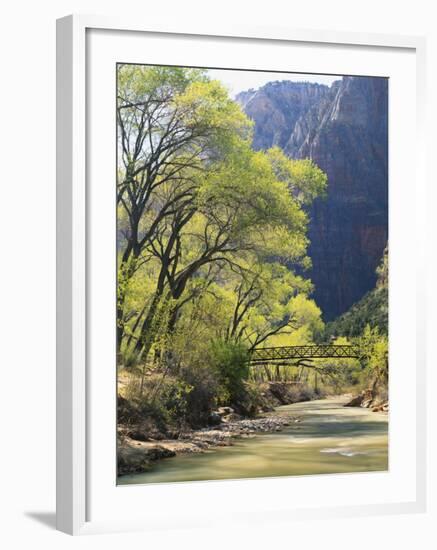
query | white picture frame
(74,464)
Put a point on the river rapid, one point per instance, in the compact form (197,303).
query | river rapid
(327,438)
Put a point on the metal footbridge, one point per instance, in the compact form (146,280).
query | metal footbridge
(288,354)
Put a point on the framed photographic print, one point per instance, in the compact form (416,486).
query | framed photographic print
(238,225)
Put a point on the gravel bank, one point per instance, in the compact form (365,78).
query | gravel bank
(138,456)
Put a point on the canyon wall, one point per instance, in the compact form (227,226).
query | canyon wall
(344,129)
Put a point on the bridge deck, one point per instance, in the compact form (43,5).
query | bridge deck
(275,354)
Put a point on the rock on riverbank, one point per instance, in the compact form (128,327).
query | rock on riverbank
(367,399)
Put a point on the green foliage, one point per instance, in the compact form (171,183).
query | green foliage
(195,201)
(374,348)
(303,178)
(230,361)
(165,399)
(207,392)
(345,373)
(174,397)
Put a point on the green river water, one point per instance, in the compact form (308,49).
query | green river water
(328,439)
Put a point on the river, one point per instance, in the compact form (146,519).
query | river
(328,438)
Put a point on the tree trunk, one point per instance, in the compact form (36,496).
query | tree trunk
(148,330)
(130,250)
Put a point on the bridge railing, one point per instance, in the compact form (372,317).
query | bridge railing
(313,351)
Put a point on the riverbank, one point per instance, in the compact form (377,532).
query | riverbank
(139,456)
(143,444)
(322,436)
(142,441)
(369,399)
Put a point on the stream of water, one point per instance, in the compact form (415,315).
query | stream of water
(328,438)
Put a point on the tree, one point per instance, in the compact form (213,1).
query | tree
(171,123)
(241,213)
(198,208)
(265,303)
(374,347)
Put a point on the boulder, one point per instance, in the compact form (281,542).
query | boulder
(135,456)
(355,401)
(214,419)
(223,411)
(158,452)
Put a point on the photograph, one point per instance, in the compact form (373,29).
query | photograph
(252,274)
(218,306)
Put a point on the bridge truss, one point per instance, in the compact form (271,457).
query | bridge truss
(291,354)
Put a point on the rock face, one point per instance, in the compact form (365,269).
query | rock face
(344,129)
(277,107)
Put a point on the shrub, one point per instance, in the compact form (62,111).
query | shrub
(174,397)
(205,393)
(164,399)
(230,361)
(251,400)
